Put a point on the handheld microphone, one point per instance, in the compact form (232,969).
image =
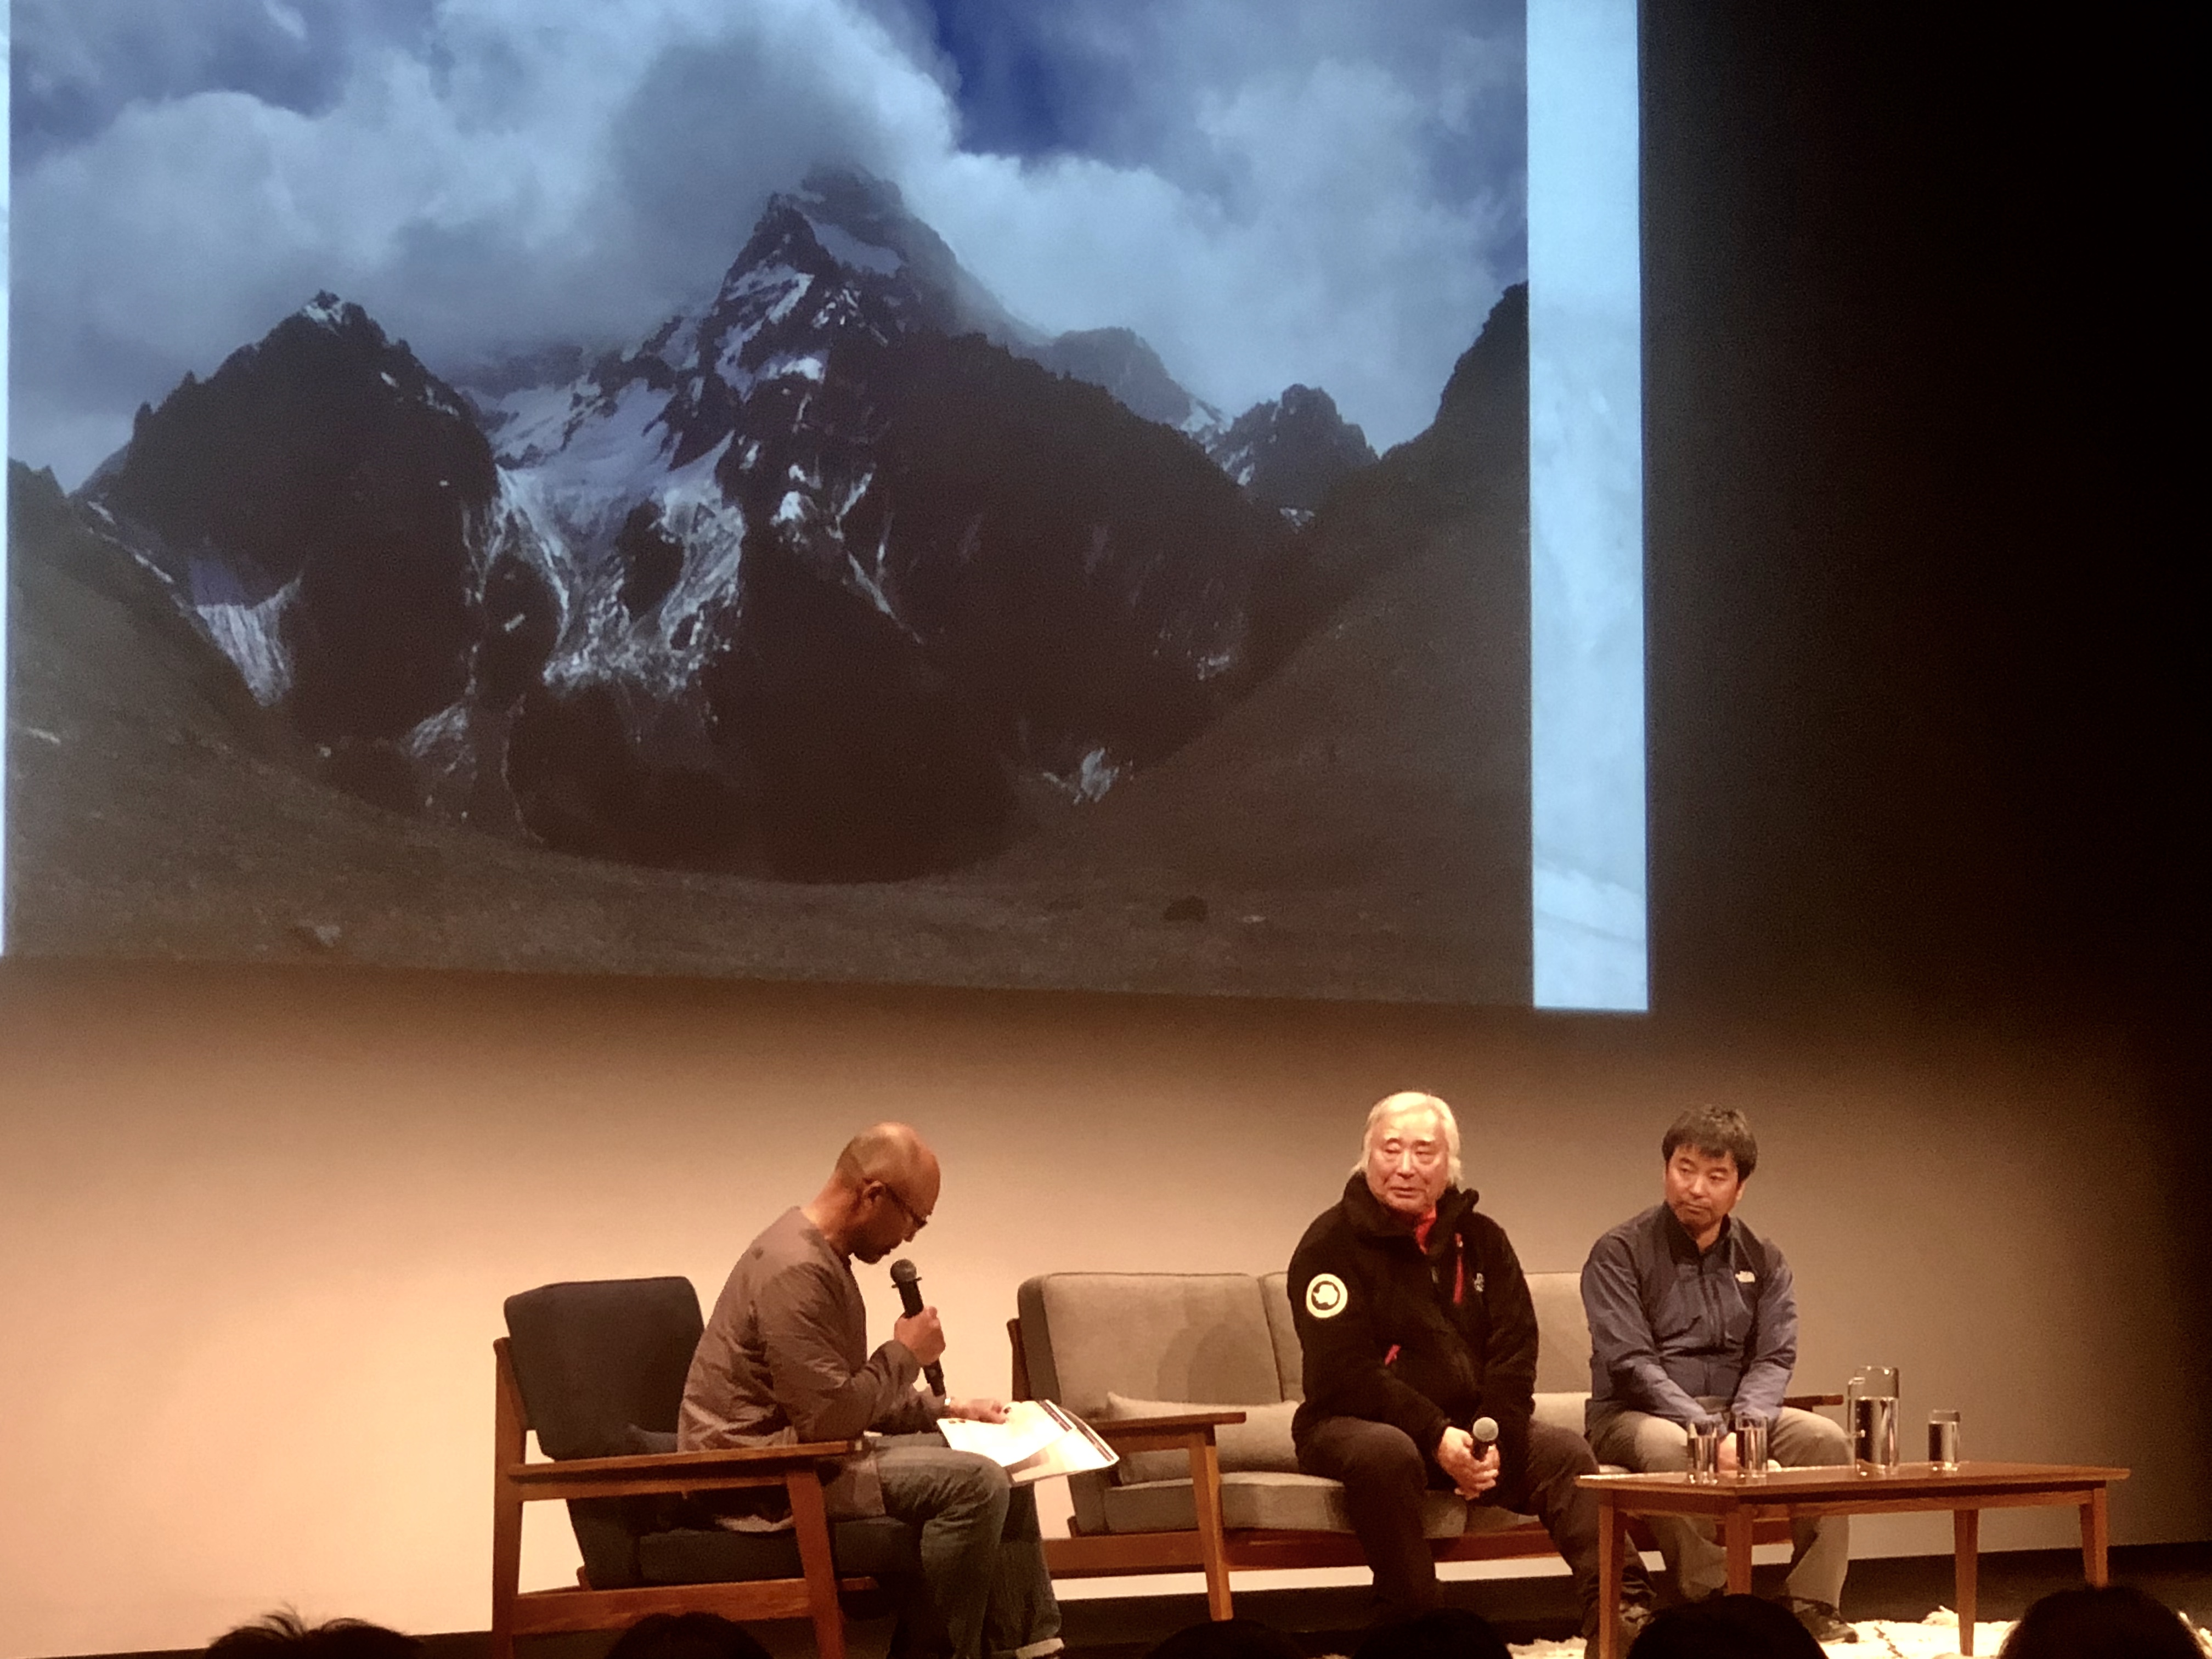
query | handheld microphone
(1485,1430)
(908,1277)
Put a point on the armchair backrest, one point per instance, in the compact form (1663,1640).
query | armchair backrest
(596,1358)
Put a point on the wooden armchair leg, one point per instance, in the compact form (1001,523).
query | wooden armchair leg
(505,1505)
(1206,1494)
(811,1523)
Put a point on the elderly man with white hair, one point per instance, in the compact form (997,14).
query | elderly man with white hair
(1415,1321)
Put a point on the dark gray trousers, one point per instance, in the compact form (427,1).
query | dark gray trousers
(1385,1477)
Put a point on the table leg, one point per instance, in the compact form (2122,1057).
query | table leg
(1612,1532)
(2096,1537)
(1965,1568)
(1738,1551)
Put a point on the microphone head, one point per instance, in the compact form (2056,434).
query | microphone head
(1484,1429)
(904,1272)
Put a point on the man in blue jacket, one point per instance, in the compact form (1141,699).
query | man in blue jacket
(1692,1314)
(1415,1322)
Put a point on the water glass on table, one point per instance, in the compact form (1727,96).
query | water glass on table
(1944,1440)
(1751,1434)
(1705,1448)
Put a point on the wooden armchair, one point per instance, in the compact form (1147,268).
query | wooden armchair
(597,1369)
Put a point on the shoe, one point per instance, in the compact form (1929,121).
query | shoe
(1822,1620)
(1634,1616)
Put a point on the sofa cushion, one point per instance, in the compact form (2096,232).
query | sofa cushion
(1260,1441)
(1298,1503)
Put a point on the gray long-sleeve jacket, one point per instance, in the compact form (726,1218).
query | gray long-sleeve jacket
(1668,1325)
(784,1358)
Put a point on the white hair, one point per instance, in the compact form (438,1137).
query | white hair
(1403,1104)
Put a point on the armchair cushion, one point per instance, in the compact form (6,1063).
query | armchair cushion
(1260,1441)
(597,1362)
(709,1555)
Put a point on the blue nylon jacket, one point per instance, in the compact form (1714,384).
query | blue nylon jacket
(1668,1325)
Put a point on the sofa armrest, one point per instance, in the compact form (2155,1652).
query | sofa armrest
(1190,1431)
(1113,1427)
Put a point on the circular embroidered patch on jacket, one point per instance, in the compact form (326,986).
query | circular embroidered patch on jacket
(1326,1296)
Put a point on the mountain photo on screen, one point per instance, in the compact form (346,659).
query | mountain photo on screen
(846,490)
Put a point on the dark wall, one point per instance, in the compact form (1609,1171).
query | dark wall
(1928,705)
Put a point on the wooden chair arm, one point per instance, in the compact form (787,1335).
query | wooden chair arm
(699,1467)
(1110,1429)
(1805,1402)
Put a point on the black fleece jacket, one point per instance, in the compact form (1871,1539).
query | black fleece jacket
(1418,1339)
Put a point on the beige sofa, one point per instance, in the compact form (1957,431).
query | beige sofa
(1193,1377)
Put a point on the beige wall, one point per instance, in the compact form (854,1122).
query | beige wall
(257,1227)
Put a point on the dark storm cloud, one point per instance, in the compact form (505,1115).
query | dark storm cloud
(1268,189)
(1132,81)
(76,64)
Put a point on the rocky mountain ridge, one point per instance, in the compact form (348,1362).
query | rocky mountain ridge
(813,582)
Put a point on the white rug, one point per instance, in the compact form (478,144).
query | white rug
(1935,1637)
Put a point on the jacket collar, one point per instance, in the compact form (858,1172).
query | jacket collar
(1686,1248)
(1367,1215)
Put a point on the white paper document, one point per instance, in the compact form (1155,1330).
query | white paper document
(1037,1440)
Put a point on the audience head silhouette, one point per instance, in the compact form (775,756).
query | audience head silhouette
(1231,1638)
(1439,1633)
(1725,1628)
(686,1636)
(2117,1622)
(285,1635)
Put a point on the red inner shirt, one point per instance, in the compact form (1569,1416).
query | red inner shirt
(1459,1272)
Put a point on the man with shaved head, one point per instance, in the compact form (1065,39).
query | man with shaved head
(1416,1324)
(785,1358)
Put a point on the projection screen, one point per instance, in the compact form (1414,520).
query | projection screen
(1136,499)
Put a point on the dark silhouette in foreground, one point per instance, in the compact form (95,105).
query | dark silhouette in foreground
(1439,1633)
(1230,1638)
(686,1636)
(1725,1628)
(2115,1622)
(285,1635)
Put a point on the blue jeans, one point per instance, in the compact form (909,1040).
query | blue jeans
(983,1557)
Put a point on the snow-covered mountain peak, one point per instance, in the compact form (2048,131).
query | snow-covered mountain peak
(327,311)
(860,219)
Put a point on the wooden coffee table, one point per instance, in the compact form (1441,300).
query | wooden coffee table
(1735,1503)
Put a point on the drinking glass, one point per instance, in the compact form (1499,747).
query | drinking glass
(1944,1440)
(1751,1428)
(1705,1449)
(1870,1419)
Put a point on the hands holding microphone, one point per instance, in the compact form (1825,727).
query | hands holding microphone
(923,1336)
(1469,1455)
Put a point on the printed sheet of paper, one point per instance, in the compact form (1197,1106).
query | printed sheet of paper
(1038,1441)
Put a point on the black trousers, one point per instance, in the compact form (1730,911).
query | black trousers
(1385,1475)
